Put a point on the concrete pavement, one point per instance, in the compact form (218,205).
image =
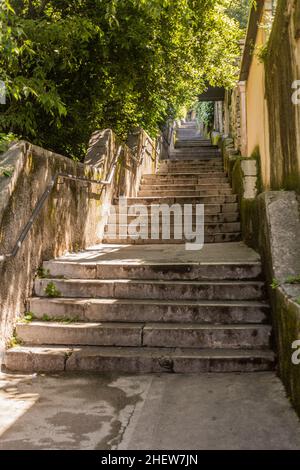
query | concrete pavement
(166,411)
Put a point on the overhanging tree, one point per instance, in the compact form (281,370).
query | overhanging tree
(73,66)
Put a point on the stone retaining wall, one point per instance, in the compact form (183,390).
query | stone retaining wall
(72,217)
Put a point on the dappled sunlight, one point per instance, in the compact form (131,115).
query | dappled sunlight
(13,404)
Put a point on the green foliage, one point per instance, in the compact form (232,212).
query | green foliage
(15,341)
(205,112)
(52,291)
(5,140)
(293,280)
(73,66)
(239,10)
(43,273)
(28,317)
(66,320)
(275,283)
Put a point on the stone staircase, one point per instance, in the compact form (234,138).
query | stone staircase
(157,307)
(200,179)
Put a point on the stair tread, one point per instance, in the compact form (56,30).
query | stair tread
(154,263)
(154,281)
(144,350)
(193,303)
(137,325)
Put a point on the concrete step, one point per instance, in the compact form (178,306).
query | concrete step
(181,186)
(190,178)
(154,289)
(166,181)
(181,200)
(190,335)
(208,208)
(192,160)
(186,141)
(208,238)
(154,271)
(130,310)
(145,192)
(190,169)
(204,151)
(113,229)
(169,164)
(209,218)
(87,334)
(199,174)
(136,360)
(189,153)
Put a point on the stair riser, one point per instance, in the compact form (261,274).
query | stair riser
(88,336)
(193,338)
(140,290)
(208,208)
(144,192)
(188,180)
(154,272)
(204,174)
(147,312)
(185,141)
(211,229)
(181,187)
(138,364)
(188,174)
(208,238)
(209,218)
(190,167)
(181,200)
(149,336)
(196,152)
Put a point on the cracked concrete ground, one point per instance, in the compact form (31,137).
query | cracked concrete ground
(166,411)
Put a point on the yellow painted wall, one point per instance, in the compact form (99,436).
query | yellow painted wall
(257,114)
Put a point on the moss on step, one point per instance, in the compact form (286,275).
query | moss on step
(51,290)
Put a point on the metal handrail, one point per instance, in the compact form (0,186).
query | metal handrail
(39,205)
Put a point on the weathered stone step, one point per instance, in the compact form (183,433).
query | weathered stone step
(136,360)
(181,186)
(190,178)
(151,271)
(206,336)
(208,208)
(160,228)
(190,169)
(169,164)
(196,153)
(208,238)
(190,335)
(192,161)
(181,200)
(154,289)
(130,310)
(199,174)
(204,151)
(209,218)
(192,166)
(88,334)
(195,143)
(144,192)
(166,181)
(214,182)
